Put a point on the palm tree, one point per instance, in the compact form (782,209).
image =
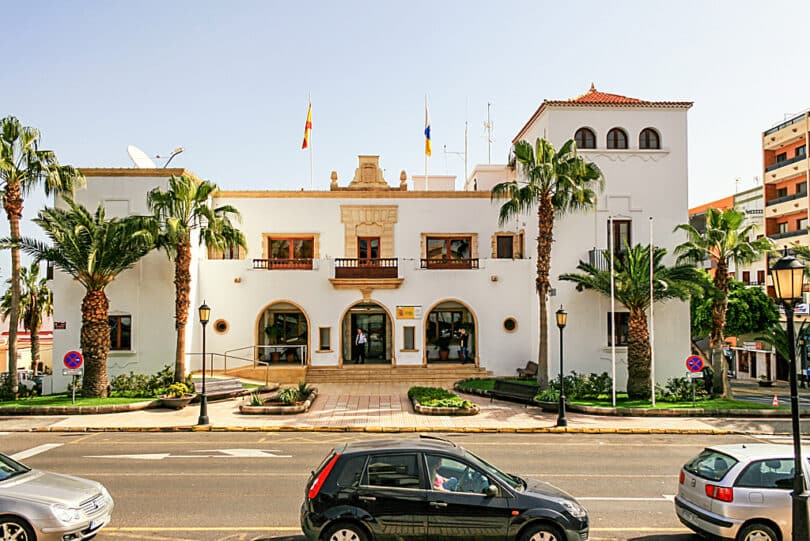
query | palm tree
(632,289)
(556,182)
(36,301)
(726,241)
(94,251)
(24,166)
(178,211)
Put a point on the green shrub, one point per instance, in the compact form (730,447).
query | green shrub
(304,390)
(256,399)
(177,390)
(680,390)
(578,386)
(436,397)
(144,386)
(551,394)
(289,396)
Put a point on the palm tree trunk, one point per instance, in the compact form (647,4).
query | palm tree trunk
(182,286)
(95,342)
(13,204)
(638,356)
(545,219)
(35,348)
(716,338)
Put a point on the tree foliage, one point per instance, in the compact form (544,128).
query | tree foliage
(750,310)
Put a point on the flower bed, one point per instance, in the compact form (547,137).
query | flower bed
(438,401)
(287,401)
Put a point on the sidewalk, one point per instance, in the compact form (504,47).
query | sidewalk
(364,407)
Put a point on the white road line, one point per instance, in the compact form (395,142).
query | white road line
(619,499)
(33,451)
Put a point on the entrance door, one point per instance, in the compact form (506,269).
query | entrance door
(368,251)
(374,327)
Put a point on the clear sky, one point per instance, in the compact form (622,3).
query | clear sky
(229,80)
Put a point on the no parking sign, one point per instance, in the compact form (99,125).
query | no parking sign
(73,360)
(694,363)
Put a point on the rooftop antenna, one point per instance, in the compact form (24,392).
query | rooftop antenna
(737,184)
(488,126)
(174,153)
(462,154)
(140,158)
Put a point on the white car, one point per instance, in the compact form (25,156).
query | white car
(43,506)
(740,491)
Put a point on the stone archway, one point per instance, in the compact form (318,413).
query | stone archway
(441,332)
(282,334)
(377,323)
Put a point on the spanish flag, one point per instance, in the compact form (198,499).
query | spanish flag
(307,126)
(427,129)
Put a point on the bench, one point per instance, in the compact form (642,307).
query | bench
(513,390)
(220,388)
(529,372)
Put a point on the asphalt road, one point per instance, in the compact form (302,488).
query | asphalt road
(228,486)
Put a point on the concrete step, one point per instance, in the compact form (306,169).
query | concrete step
(384,374)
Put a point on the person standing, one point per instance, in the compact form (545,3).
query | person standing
(463,342)
(360,341)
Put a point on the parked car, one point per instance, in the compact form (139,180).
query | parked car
(429,488)
(43,506)
(739,491)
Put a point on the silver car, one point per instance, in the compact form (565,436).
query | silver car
(43,506)
(739,491)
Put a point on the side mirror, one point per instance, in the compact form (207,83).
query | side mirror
(491,491)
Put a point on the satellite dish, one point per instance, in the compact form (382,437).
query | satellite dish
(139,158)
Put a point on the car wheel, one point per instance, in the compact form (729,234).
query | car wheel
(542,532)
(757,532)
(345,531)
(16,529)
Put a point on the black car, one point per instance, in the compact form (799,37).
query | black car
(431,489)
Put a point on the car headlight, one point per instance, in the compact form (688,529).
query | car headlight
(66,514)
(105,493)
(574,509)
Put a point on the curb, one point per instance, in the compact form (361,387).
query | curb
(78,410)
(386,429)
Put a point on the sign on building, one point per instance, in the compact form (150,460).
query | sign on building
(409,312)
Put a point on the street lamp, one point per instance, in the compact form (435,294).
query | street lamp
(205,315)
(803,357)
(562,319)
(788,278)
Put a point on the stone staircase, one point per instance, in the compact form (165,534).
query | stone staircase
(370,373)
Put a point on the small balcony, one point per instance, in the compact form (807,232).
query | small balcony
(283,264)
(784,163)
(788,234)
(784,199)
(366,268)
(448,263)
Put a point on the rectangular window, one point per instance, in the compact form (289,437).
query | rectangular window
(505,247)
(782,227)
(781,157)
(120,333)
(622,328)
(801,224)
(621,236)
(394,471)
(229,252)
(781,192)
(761,277)
(409,338)
(801,151)
(801,188)
(449,253)
(325,338)
(290,253)
(746,277)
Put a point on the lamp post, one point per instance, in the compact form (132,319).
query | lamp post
(205,315)
(803,357)
(788,278)
(562,319)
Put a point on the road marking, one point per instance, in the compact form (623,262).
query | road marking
(203,529)
(620,499)
(223,453)
(33,451)
(641,529)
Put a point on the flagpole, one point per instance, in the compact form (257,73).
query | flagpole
(311,167)
(612,314)
(427,125)
(652,316)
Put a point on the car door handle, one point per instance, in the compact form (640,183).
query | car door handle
(368,498)
(438,504)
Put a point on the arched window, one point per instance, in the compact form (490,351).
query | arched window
(585,138)
(617,138)
(648,139)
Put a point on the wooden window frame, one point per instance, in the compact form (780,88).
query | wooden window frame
(588,136)
(116,343)
(647,137)
(613,139)
(446,262)
(622,322)
(291,263)
(613,236)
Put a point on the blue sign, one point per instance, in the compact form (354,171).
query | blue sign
(694,363)
(73,360)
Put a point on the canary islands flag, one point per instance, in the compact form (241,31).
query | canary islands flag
(427,129)
(308,126)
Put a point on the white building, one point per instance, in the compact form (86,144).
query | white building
(409,267)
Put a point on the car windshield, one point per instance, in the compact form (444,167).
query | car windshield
(512,480)
(10,467)
(710,464)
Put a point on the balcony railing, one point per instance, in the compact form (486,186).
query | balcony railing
(785,198)
(783,163)
(367,268)
(788,234)
(784,124)
(283,264)
(599,259)
(445,263)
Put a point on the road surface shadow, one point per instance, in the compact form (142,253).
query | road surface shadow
(282,538)
(663,537)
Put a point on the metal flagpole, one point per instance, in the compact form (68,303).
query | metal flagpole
(652,316)
(427,127)
(311,168)
(612,313)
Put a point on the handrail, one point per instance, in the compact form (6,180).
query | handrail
(298,263)
(785,198)
(348,262)
(448,263)
(784,124)
(788,234)
(783,163)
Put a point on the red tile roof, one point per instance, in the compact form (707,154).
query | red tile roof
(595,98)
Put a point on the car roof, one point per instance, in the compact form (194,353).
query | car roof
(422,443)
(753,451)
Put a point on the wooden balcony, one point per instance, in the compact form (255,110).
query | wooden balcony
(366,268)
(283,264)
(444,263)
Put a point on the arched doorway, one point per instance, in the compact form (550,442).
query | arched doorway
(376,323)
(282,334)
(443,323)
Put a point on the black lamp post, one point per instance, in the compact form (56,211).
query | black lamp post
(562,319)
(788,278)
(803,357)
(205,315)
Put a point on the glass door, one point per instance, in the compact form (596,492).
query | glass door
(374,327)
(368,251)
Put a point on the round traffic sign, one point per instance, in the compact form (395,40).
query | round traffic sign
(73,360)
(694,363)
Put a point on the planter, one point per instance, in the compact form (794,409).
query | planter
(765,383)
(274,407)
(176,402)
(275,356)
(444,354)
(426,410)
(549,406)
